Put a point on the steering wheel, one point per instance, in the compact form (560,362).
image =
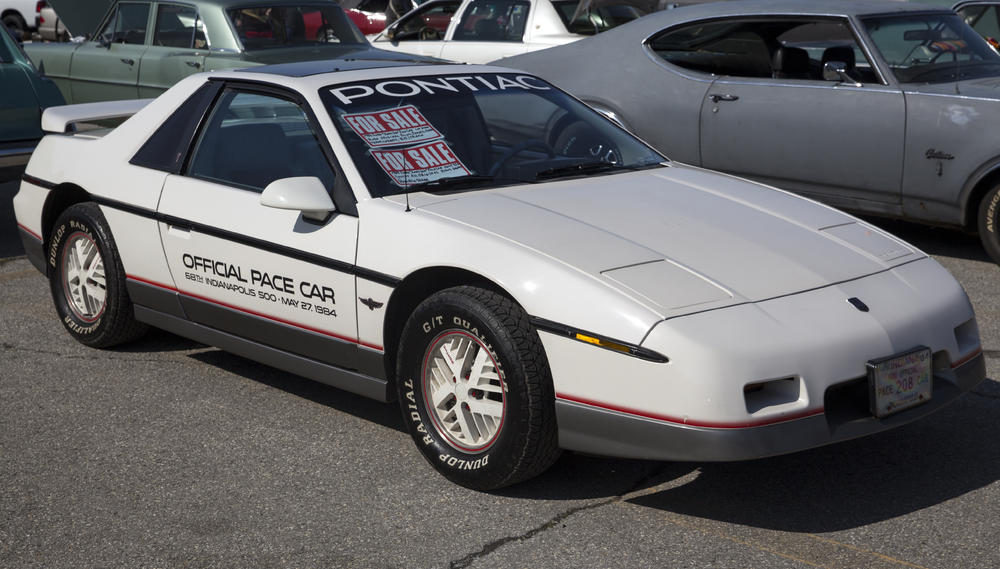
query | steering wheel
(518,148)
(582,140)
(428,33)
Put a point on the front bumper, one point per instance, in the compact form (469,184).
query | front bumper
(591,429)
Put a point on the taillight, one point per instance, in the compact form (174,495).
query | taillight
(39,5)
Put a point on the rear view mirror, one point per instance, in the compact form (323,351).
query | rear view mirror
(922,35)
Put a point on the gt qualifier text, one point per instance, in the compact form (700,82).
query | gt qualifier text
(268,284)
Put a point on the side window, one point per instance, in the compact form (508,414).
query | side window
(179,26)
(781,49)
(722,48)
(252,139)
(428,24)
(127,24)
(493,20)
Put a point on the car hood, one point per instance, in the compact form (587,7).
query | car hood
(81,16)
(680,238)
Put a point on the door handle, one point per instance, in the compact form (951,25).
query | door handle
(194,64)
(128,60)
(715,97)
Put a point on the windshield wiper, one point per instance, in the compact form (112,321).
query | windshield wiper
(453,183)
(581,168)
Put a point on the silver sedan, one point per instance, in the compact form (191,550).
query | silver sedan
(882,108)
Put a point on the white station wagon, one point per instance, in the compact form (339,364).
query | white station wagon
(520,273)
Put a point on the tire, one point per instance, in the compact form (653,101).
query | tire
(507,394)
(16,25)
(989,223)
(87,280)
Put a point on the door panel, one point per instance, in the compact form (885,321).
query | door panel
(840,143)
(106,73)
(162,67)
(262,273)
(259,272)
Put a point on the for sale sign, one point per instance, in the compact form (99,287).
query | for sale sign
(419,164)
(392,127)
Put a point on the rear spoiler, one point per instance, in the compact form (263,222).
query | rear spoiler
(59,120)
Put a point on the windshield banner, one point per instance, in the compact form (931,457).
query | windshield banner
(392,127)
(419,164)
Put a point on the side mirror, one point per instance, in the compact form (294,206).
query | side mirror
(837,71)
(304,193)
(390,33)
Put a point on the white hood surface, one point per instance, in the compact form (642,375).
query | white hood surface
(676,239)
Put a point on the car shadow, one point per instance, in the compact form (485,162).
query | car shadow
(158,341)
(851,484)
(384,414)
(935,240)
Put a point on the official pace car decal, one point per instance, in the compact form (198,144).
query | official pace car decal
(255,283)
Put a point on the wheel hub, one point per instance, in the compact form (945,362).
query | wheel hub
(83,277)
(463,391)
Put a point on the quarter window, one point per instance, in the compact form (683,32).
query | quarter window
(127,24)
(790,48)
(253,139)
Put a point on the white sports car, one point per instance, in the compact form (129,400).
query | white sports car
(520,273)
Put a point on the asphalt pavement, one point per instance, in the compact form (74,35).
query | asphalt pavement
(166,453)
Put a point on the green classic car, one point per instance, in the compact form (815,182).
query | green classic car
(23,96)
(142,47)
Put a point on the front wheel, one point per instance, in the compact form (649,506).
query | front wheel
(989,222)
(87,280)
(475,389)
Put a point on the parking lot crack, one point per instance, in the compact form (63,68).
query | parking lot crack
(492,546)
(497,544)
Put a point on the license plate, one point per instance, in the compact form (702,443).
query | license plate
(899,382)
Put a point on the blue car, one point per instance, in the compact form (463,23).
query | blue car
(23,97)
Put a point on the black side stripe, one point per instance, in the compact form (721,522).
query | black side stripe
(367,274)
(570,332)
(38,182)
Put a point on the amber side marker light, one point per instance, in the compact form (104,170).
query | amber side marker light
(604,343)
(595,340)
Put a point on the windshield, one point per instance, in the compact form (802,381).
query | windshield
(473,131)
(262,27)
(932,48)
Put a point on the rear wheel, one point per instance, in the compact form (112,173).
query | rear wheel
(87,280)
(475,389)
(989,222)
(16,25)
